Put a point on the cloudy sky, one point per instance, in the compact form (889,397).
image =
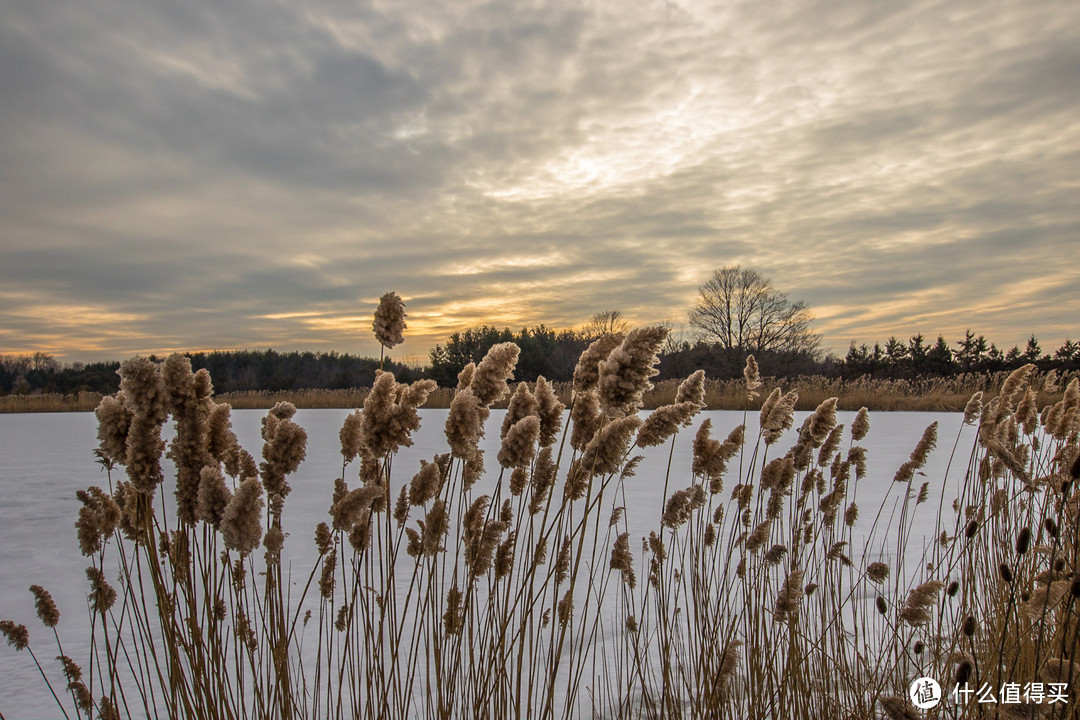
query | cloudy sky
(242,174)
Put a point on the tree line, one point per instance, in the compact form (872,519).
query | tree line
(738,312)
(551,353)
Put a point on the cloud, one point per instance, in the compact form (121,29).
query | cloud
(254,174)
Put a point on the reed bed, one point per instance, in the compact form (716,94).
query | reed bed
(931,394)
(751,597)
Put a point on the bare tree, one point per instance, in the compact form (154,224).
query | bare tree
(605,323)
(741,310)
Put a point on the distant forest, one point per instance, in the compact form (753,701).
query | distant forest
(551,353)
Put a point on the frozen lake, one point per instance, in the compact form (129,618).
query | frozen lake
(46,458)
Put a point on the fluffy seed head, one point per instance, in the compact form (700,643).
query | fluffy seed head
(625,373)
(389,323)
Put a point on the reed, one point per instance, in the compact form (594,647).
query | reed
(750,597)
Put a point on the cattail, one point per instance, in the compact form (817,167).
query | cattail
(284,449)
(973,409)
(17,635)
(98,518)
(213,496)
(504,556)
(1051,527)
(114,420)
(72,671)
(625,373)
(759,536)
(425,484)
(751,376)
(587,372)
(519,443)
(453,618)
(663,422)
(47,611)
(389,323)
(351,437)
(586,417)
(464,423)
(562,561)
(882,606)
(918,647)
(326,580)
(729,660)
(775,555)
(360,534)
(102,595)
(550,411)
(877,572)
(604,453)
(954,587)
(829,446)
(566,608)
(1023,540)
(914,611)
(822,421)
(677,510)
(240,522)
(860,425)
(489,379)
(1005,572)
(473,469)
(963,670)
(389,414)
(522,404)
(971,529)
(692,390)
(969,626)
(790,595)
(780,417)
(656,544)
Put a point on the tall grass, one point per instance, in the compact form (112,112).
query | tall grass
(930,394)
(751,597)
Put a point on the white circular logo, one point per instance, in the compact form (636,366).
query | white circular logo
(925,693)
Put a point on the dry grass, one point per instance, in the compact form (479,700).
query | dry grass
(933,395)
(750,598)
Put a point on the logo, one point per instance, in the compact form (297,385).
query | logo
(925,693)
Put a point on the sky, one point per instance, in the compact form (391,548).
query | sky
(240,174)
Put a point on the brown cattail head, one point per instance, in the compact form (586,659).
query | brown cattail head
(587,372)
(489,380)
(877,572)
(973,409)
(1023,541)
(692,389)
(17,635)
(519,443)
(1051,527)
(350,436)
(241,521)
(918,647)
(664,422)
(625,373)
(954,587)
(751,376)
(861,424)
(550,411)
(389,323)
(46,606)
(1005,572)
(102,595)
(969,625)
